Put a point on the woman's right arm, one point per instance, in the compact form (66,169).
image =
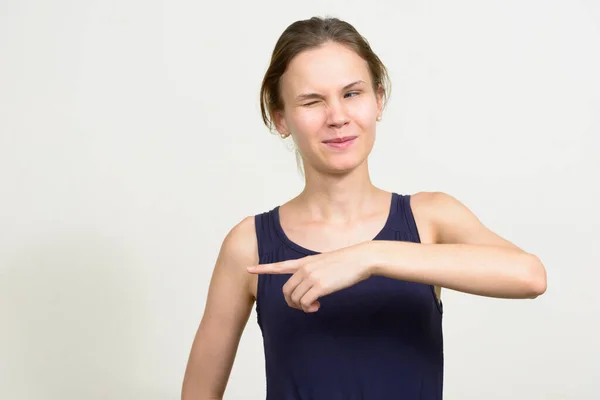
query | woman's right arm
(228,306)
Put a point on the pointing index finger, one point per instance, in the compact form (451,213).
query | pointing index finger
(285,267)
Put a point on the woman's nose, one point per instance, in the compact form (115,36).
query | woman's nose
(338,115)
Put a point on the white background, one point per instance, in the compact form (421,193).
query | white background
(131,142)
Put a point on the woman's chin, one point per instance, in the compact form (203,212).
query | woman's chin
(342,166)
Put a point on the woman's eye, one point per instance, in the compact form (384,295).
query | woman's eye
(351,93)
(310,104)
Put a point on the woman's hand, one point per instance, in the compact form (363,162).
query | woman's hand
(318,275)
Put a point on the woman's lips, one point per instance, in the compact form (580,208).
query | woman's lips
(340,143)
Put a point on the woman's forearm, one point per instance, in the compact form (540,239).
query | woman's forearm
(490,271)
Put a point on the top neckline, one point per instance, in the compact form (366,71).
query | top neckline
(282,235)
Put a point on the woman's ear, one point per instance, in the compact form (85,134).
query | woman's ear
(280,124)
(379,94)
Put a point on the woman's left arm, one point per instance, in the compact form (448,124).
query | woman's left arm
(466,255)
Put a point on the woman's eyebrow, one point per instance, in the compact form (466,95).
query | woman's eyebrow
(306,96)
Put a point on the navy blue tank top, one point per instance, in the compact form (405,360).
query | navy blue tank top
(380,339)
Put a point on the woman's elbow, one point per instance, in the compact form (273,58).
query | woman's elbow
(536,282)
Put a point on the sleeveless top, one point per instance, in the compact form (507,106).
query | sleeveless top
(380,339)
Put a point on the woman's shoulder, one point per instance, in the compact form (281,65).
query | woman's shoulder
(451,221)
(240,246)
(434,210)
(433,201)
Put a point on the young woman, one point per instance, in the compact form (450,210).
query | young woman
(346,276)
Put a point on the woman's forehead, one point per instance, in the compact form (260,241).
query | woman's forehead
(325,68)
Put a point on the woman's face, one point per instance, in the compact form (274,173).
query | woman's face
(328,96)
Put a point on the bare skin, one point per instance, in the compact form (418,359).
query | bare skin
(228,307)
(323,237)
(232,291)
(465,256)
(328,94)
